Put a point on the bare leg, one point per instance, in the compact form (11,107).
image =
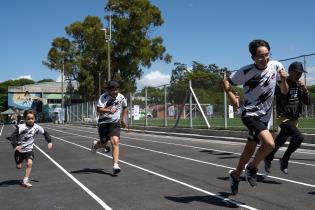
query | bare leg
(266,147)
(19,166)
(115,145)
(247,153)
(28,168)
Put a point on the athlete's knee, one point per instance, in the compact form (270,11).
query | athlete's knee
(19,166)
(298,138)
(115,140)
(29,163)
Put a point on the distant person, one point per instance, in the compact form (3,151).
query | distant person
(289,109)
(112,107)
(259,80)
(22,140)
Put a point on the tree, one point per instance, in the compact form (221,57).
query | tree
(83,55)
(45,80)
(206,82)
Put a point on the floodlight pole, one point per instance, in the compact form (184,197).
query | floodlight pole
(62,91)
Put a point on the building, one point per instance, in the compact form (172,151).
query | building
(44,98)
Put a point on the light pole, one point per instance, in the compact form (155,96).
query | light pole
(108,39)
(99,83)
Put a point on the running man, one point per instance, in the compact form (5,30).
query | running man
(259,80)
(289,109)
(112,107)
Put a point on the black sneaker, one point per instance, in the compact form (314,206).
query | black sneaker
(284,166)
(107,149)
(267,166)
(251,175)
(233,183)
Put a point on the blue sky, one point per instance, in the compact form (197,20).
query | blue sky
(206,31)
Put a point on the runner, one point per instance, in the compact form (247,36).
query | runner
(22,140)
(112,107)
(289,109)
(259,80)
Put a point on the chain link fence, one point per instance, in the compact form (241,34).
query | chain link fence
(167,106)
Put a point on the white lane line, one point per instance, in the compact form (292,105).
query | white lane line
(166,177)
(87,190)
(1,129)
(302,151)
(195,160)
(183,145)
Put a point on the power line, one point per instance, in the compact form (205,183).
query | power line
(301,56)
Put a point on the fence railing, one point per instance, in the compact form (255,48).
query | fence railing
(157,107)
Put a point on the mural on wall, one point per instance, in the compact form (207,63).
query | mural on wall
(26,101)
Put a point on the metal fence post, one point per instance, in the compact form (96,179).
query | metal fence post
(131,112)
(165,107)
(190,106)
(146,106)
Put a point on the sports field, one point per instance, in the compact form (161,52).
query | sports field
(305,124)
(158,172)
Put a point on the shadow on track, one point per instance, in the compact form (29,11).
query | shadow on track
(92,171)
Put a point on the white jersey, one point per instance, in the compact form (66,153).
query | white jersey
(25,136)
(105,101)
(259,88)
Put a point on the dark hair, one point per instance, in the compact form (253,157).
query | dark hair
(257,43)
(297,66)
(29,111)
(112,84)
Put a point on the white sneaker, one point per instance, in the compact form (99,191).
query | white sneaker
(26,183)
(116,169)
(93,149)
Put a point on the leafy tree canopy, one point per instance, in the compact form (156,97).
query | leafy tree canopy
(83,54)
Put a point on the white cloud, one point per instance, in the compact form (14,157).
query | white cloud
(24,77)
(59,78)
(153,79)
(310,76)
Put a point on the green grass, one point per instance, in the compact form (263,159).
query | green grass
(305,124)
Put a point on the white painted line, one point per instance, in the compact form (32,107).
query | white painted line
(195,160)
(151,133)
(87,190)
(220,142)
(168,178)
(1,129)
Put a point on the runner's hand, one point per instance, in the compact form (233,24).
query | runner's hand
(282,74)
(18,148)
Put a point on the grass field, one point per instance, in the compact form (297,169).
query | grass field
(307,125)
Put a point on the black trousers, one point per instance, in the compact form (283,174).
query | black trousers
(288,129)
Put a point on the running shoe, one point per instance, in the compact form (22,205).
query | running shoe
(284,166)
(251,175)
(116,169)
(93,148)
(107,149)
(26,183)
(233,183)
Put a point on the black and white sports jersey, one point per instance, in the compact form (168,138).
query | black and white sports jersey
(23,136)
(105,101)
(259,87)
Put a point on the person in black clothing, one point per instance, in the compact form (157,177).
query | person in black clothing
(289,108)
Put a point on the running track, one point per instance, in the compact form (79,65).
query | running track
(158,172)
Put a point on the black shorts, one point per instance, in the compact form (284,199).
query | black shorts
(255,126)
(107,130)
(19,157)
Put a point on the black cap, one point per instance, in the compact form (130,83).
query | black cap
(112,84)
(297,66)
